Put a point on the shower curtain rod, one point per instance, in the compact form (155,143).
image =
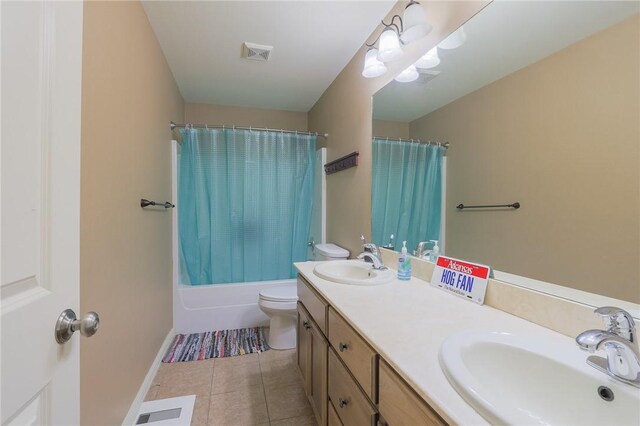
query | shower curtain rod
(445,145)
(222,126)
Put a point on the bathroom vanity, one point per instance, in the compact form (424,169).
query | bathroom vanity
(346,380)
(372,355)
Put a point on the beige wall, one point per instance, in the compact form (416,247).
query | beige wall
(344,111)
(128,98)
(239,116)
(390,129)
(562,137)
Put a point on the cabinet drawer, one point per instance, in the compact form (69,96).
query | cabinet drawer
(351,404)
(354,351)
(314,303)
(334,420)
(400,405)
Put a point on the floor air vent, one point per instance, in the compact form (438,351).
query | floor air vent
(256,52)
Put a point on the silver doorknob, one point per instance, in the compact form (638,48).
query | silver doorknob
(68,324)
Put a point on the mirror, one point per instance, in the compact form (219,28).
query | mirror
(540,105)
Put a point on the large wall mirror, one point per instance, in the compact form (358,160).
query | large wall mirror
(540,105)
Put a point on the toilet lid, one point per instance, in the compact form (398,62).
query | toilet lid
(287,293)
(332,250)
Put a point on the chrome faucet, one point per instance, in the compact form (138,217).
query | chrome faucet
(619,341)
(369,247)
(421,249)
(370,253)
(375,259)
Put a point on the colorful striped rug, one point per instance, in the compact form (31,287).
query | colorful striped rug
(216,344)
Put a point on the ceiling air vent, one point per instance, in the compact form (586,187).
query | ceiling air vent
(256,52)
(427,75)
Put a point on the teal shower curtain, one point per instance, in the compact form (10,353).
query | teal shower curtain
(406,192)
(244,204)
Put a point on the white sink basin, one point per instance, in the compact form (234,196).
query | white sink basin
(523,380)
(355,272)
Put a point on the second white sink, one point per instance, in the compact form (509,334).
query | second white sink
(517,379)
(355,272)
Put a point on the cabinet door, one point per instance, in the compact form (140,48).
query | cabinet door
(400,405)
(318,395)
(304,348)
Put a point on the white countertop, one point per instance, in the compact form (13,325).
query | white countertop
(406,322)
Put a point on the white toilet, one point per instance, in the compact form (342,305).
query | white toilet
(329,251)
(280,303)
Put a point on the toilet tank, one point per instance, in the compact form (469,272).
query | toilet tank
(330,252)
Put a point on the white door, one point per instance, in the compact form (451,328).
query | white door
(40,207)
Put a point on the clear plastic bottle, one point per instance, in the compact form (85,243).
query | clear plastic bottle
(404,264)
(435,251)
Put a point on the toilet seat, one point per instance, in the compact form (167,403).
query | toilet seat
(280,294)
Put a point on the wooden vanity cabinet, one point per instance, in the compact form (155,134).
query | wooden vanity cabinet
(312,349)
(352,349)
(332,416)
(351,404)
(400,405)
(344,377)
(303,348)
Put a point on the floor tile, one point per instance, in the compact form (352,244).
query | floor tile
(200,415)
(238,360)
(287,401)
(169,372)
(296,421)
(182,383)
(280,372)
(238,408)
(151,394)
(277,355)
(230,378)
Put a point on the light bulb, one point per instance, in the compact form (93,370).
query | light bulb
(454,40)
(408,75)
(415,23)
(429,59)
(372,66)
(389,46)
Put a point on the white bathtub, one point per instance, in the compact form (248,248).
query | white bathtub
(220,306)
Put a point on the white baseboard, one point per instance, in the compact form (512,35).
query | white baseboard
(130,419)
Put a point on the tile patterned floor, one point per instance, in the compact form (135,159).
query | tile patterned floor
(256,389)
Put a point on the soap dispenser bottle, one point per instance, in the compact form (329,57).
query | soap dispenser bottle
(435,251)
(404,264)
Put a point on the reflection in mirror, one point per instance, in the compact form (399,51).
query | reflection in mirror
(406,192)
(540,104)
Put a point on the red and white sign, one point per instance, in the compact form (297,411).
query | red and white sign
(464,279)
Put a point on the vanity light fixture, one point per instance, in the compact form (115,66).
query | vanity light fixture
(429,59)
(389,47)
(408,75)
(454,40)
(415,23)
(393,36)
(372,66)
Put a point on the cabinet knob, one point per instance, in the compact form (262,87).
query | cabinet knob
(342,402)
(343,346)
(306,325)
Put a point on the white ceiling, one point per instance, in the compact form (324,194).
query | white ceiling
(313,41)
(504,37)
